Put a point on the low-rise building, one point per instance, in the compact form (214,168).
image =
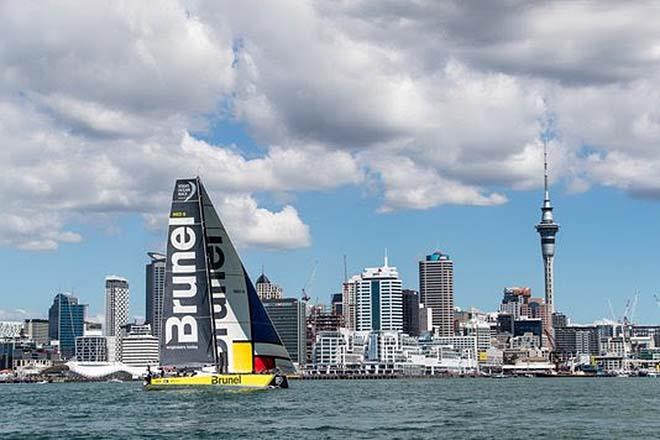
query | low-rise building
(139,348)
(92,348)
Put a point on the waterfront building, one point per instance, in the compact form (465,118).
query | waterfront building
(266,289)
(91,348)
(379,303)
(436,289)
(329,349)
(11,329)
(288,317)
(318,320)
(116,309)
(37,330)
(652,331)
(547,230)
(385,347)
(525,341)
(24,356)
(480,329)
(139,348)
(461,344)
(66,321)
(348,291)
(155,289)
(410,301)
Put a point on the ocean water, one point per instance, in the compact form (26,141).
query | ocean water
(520,408)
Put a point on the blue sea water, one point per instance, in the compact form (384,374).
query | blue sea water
(520,408)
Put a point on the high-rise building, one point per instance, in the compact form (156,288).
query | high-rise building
(436,289)
(266,289)
(410,312)
(66,321)
(288,317)
(116,309)
(37,330)
(348,301)
(379,304)
(547,230)
(155,289)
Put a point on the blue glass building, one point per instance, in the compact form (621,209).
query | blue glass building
(66,321)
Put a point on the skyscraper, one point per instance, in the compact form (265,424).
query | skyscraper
(66,321)
(436,289)
(410,312)
(288,317)
(116,309)
(266,289)
(348,301)
(155,289)
(379,304)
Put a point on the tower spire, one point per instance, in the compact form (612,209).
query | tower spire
(545,170)
(547,230)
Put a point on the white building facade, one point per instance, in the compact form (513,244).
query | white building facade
(379,301)
(116,309)
(139,348)
(266,289)
(92,349)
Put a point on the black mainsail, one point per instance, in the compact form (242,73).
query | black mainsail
(211,312)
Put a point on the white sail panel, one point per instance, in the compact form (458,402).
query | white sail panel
(229,298)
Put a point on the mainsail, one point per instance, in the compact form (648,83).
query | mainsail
(211,311)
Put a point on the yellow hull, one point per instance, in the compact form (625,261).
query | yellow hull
(222,380)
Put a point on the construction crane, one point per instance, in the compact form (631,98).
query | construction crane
(308,284)
(657,299)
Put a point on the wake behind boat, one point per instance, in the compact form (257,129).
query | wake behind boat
(214,329)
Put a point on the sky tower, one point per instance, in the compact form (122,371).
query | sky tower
(547,229)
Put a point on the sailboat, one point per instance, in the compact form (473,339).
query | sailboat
(214,330)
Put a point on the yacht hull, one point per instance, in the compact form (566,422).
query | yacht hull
(219,380)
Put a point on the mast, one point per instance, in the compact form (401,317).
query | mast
(206,273)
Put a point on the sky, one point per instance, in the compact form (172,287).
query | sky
(324,129)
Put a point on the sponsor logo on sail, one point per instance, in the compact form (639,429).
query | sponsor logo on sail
(182,324)
(185,191)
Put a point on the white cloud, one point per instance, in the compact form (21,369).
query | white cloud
(17,315)
(442,101)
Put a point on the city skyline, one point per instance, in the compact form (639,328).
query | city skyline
(421,128)
(136,304)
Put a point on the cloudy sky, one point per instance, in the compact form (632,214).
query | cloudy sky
(331,128)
